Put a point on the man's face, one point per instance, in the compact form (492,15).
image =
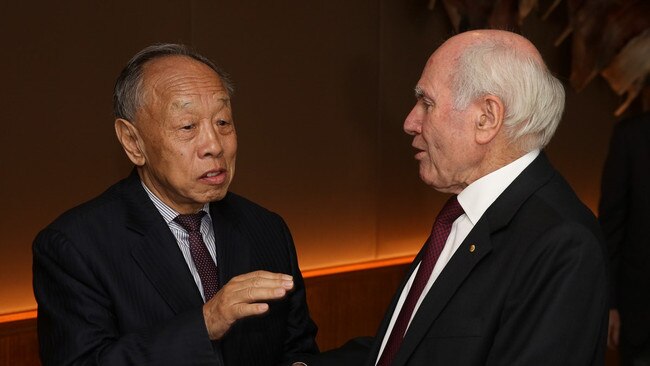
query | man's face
(442,136)
(186,133)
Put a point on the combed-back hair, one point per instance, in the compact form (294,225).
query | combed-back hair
(128,93)
(533,97)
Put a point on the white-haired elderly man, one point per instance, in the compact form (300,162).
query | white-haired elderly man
(514,271)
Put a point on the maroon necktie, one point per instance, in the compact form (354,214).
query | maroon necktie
(200,255)
(441,228)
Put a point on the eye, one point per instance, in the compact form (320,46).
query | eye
(225,126)
(188,127)
(428,105)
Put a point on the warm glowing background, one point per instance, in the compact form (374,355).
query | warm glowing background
(322,90)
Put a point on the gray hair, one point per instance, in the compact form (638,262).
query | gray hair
(128,94)
(533,97)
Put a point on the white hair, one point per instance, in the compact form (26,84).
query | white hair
(532,96)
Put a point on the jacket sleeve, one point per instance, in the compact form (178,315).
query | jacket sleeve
(77,324)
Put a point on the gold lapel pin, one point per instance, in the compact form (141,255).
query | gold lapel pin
(472,248)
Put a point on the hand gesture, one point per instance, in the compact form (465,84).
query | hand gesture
(241,297)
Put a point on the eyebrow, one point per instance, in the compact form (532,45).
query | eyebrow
(182,104)
(419,94)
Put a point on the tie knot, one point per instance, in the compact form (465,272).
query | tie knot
(450,211)
(190,222)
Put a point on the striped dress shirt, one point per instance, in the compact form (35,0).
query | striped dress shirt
(182,237)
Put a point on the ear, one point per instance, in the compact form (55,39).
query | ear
(490,119)
(128,136)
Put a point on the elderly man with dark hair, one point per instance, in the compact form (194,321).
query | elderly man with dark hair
(167,267)
(514,270)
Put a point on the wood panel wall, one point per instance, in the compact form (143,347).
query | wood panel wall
(352,304)
(344,305)
(18,343)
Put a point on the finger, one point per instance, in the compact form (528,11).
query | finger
(245,310)
(249,292)
(254,294)
(258,282)
(262,274)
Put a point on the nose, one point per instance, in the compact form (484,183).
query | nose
(413,122)
(211,144)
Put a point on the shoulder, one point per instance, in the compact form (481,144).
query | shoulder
(233,203)
(237,202)
(558,200)
(94,218)
(262,229)
(540,197)
(108,203)
(560,218)
(245,211)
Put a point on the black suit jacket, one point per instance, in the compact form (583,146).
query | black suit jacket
(624,214)
(113,288)
(533,292)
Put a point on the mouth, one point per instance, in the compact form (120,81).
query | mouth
(215,176)
(419,153)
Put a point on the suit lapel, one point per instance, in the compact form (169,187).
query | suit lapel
(157,252)
(453,275)
(498,215)
(233,247)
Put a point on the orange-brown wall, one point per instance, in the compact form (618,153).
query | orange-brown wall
(322,90)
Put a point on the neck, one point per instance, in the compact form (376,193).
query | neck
(494,159)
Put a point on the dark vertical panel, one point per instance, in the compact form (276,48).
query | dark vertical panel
(409,34)
(306,113)
(57,147)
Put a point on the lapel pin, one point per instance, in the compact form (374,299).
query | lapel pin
(472,248)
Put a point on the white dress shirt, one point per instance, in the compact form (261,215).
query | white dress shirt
(475,199)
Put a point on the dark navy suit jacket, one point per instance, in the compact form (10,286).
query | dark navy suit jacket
(113,288)
(533,292)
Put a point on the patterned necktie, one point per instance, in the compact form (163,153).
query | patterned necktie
(202,260)
(441,228)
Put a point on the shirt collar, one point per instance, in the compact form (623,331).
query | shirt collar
(168,213)
(478,196)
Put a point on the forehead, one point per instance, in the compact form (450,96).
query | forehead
(435,78)
(177,79)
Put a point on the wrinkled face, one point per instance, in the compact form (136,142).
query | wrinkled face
(186,133)
(443,137)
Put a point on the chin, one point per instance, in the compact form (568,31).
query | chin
(218,195)
(207,197)
(427,179)
(437,185)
